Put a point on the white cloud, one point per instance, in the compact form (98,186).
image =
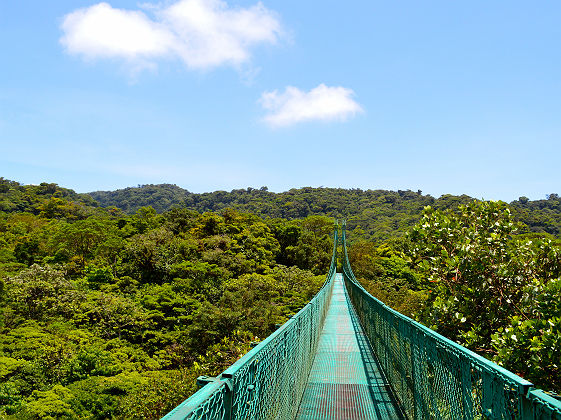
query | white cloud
(321,103)
(202,33)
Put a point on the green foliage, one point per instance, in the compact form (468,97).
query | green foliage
(465,260)
(199,279)
(108,315)
(531,344)
(162,197)
(82,238)
(379,214)
(44,198)
(491,290)
(158,393)
(313,249)
(10,398)
(222,355)
(387,275)
(39,292)
(541,216)
(49,405)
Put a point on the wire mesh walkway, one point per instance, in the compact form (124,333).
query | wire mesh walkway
(345,381)
(331,364)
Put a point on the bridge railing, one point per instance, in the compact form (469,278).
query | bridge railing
(269,381)
(433,377)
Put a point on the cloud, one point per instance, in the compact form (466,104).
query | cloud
(321,103)
(204,34)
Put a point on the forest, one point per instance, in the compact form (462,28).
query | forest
(379,214)
(112,303)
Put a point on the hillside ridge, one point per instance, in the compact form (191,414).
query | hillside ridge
(379,214)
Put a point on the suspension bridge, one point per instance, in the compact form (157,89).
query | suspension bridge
(346,355)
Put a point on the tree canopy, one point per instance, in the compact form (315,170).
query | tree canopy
(377,214)
(110,313)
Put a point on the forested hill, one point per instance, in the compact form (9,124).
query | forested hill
(108,315)
(47,199)
(377,214)
(380,214)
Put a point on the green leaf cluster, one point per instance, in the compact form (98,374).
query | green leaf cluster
(491,288)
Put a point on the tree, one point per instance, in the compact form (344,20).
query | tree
(42,291)
(81,238)
(491,290)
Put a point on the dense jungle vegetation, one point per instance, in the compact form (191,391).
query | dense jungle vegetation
(378,214)
(107,313)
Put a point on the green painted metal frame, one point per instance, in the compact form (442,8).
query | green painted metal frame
(435,378)
(269,381)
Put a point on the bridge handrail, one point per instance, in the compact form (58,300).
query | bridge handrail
(268,382)
(434,377)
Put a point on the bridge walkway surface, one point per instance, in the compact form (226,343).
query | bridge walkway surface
(346,381)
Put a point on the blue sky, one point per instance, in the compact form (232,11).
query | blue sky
(441,96)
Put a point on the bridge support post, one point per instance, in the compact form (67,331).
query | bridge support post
(228,397)
(227,381)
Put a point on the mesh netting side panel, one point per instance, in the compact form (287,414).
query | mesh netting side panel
(430,378)
(269,381)
(435,378)
(208,403)
(272,384)
(213,408)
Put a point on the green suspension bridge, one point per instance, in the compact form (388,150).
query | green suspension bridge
(346,355)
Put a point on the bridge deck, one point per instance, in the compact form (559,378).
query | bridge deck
(345,381)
